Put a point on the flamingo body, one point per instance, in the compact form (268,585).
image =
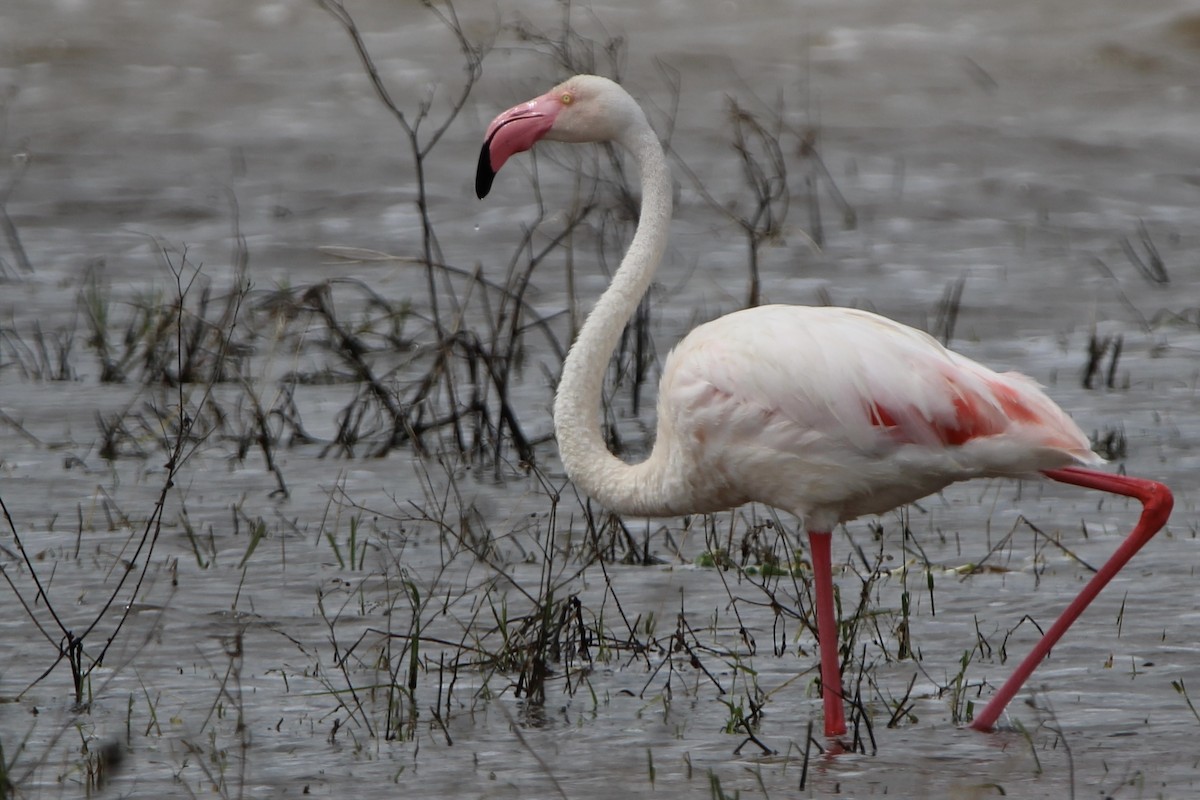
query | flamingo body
(835,413)
(829,413)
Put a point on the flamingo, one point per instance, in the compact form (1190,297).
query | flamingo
(827,413)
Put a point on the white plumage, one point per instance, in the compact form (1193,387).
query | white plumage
(833,413)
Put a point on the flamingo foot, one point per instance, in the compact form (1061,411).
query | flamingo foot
(1156,503)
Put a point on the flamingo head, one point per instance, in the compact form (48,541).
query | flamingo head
(586,108)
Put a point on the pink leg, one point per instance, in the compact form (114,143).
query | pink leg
(827,634)
(1156,507)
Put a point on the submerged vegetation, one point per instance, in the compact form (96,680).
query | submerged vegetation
(519,599)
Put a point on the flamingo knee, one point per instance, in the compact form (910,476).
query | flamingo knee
(1157,502)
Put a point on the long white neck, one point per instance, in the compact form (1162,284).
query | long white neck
(641,489)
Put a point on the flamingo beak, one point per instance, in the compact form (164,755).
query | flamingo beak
(514,131)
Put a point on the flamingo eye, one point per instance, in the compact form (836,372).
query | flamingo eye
(567,98)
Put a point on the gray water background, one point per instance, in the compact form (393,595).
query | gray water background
(1015,145)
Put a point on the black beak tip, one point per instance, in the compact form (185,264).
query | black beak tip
(484,174)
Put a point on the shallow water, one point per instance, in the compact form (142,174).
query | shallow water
(1016,146)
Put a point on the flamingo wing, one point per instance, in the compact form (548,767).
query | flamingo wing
(846,412)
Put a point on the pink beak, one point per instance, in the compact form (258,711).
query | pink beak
(514,131)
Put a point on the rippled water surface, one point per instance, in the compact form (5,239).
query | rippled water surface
(1037,152)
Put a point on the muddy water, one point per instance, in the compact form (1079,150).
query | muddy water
(1015,146)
